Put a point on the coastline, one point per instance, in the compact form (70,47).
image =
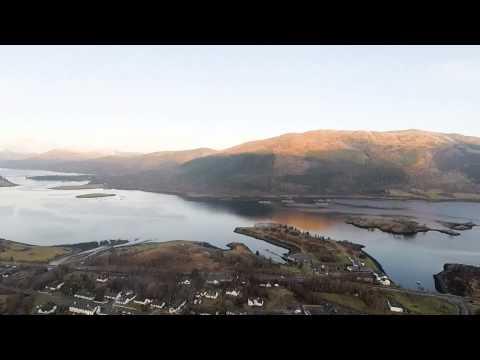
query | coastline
(376,262)
(266,196)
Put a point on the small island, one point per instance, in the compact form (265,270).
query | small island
(61,178)
(94,195)
(394,225)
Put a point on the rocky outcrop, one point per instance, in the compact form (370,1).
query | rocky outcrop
(394,225)
(459,279)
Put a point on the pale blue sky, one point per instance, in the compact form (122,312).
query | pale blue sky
(149,98)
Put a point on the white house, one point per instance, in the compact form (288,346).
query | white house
(173,310)
(55,287)
(383,280)
(255,302)
(212,296)
(125,298)
(185,282)
(157,306)
(144,302)
(102,279)
(394,308)
(233,293)
(83,309)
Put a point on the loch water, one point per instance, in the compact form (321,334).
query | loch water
(35,214)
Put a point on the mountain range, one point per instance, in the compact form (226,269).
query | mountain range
(322,162)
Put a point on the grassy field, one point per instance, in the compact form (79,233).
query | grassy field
(181,256)
(348,301)
(279,298)
(11,251)
(425,305)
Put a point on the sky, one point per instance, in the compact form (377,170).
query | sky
(151,98)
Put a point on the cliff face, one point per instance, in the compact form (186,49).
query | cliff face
(459,279)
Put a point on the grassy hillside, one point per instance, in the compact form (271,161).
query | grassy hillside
(411,162)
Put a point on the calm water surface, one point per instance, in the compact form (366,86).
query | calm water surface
(34,214)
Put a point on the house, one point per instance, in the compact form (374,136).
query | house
(175,310)
(102,279)
(185,282)
(47,309)
(267,285)
(144,302)
(99,312)
(55,286)
(83,308)
(85,296)
(383,280)
(123,298)
(233,293)
(255,302)
(156,305)
(396,309)
(212,296)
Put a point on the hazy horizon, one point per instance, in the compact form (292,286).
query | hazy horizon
(153,98)
(118,151)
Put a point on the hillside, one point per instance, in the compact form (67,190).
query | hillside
(324,162)
(111,165)
(330,162)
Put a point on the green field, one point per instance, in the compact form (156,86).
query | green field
(12,251)
(423,305)
(348,301)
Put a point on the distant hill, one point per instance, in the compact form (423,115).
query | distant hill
(323,162)
(328,162)
(120,163)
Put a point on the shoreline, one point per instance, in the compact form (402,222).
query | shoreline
(236,197)
(292,249)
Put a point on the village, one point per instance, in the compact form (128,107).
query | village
(319,276)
